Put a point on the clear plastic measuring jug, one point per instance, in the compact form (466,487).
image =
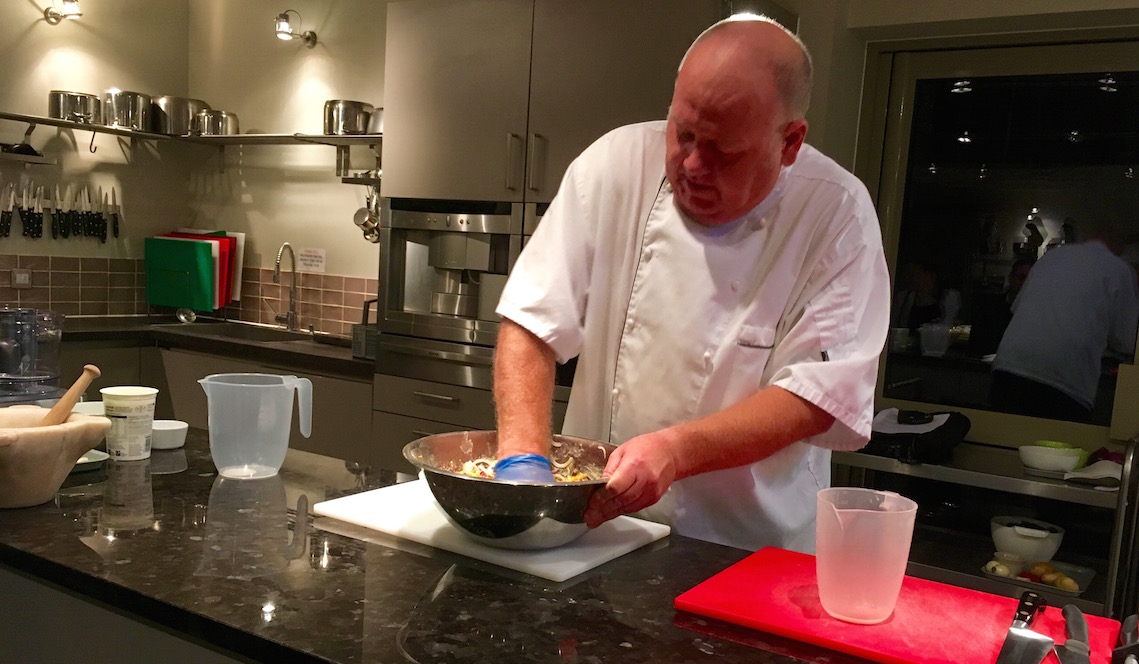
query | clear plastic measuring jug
(862,543)
(249,416)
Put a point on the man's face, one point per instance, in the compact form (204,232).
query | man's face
(726,142)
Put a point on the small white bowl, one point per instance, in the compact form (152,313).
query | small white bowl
(1049,458)
(168,434)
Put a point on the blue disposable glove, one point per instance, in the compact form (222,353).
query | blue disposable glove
(529,468)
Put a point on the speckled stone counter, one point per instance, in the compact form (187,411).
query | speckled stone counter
(228,563)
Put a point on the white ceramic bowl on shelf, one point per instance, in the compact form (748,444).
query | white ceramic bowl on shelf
(1033,539)
(1040,457)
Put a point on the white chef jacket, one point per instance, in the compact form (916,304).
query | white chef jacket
(672,321)
(1078,301)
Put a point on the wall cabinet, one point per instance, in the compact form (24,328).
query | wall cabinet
(492,99)
(341,409)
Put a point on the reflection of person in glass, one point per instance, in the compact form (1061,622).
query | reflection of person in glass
(1079,303)
(924,297)
(992,311)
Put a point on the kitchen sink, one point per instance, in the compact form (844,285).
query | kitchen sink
(242,331)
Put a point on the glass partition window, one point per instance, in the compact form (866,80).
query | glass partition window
(1016,241)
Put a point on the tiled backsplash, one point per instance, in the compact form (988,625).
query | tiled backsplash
(117,287)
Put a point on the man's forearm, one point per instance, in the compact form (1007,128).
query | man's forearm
(746,432)
(523,389)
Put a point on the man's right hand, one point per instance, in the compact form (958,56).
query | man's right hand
(526,468)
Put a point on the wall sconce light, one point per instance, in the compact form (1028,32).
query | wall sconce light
(284,28)
(55,16)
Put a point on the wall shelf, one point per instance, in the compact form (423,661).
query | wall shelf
(341,143)
(26,158)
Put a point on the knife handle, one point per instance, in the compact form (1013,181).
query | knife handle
(1030,605)
(1077,624)
(1129,631)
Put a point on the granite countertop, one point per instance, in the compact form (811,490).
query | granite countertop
(228,563)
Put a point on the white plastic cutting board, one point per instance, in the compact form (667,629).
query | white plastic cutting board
(409,511)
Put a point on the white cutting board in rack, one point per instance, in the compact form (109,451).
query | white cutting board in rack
(409,511)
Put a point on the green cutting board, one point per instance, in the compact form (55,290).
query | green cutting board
(179,273)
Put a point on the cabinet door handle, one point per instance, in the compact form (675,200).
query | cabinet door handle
(511,167)
(438,397)
(535,161)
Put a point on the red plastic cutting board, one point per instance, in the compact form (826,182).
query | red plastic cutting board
(774,590)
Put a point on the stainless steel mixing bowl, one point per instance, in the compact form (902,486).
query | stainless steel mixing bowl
(507,515)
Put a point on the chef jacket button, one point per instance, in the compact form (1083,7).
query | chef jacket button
(614,391)
(735,286)
(648,254)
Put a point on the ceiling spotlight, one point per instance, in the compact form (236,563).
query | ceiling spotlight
(283,26)
(984,172)
(964,138)
(961,87)
(932,168)
(1108,83)
(1075,136)
(70,9)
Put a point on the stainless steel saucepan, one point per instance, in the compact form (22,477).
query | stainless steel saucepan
(74,106)
(130,110)
(342,116)
(212,122)
(174,115)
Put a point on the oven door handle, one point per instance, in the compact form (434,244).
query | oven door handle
(440,354)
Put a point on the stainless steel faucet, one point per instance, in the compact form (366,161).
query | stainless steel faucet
(289,318)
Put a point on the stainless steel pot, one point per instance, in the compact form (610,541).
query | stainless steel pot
(342,116)
(174,115)
(126,109)
(211,122)
(74,106)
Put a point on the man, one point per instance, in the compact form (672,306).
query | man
(1078,307)
(724,289)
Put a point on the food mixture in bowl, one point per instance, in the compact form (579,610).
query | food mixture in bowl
(568,471)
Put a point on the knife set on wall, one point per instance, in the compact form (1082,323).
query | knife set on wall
(69,215)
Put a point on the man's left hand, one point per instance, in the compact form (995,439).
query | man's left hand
(639,472)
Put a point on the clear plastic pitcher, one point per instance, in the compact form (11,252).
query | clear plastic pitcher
(249,416)
(862,543)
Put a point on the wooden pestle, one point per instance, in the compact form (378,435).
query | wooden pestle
(62,408)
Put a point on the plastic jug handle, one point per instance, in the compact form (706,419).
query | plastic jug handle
(304,402)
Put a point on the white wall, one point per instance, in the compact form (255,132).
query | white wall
(139,46)
(291,193)
(225,53)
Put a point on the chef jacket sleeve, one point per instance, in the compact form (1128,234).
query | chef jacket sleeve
(829,343)
(546,291)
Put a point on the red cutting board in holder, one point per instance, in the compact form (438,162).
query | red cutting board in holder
(775,590)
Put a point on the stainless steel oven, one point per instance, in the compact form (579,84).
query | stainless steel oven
(443,265)
(434,257)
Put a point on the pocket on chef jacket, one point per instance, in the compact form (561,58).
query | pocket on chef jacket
(754,344)
(761,337)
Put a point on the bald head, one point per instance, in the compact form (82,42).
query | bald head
(745,47)
(736,117)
